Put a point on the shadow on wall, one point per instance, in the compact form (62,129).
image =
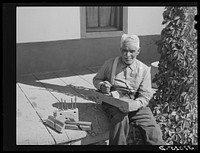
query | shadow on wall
(52,56)
(65,54)
(149,53)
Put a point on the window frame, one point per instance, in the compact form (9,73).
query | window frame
(99,34)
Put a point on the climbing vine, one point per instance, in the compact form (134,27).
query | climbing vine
(175,101)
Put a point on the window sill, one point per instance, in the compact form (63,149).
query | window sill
(103,34)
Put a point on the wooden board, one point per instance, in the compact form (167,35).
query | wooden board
(60,91)
(122,105)
(84,89)
(101,118)
(37,94)
(57,87)
(93,111)
(44,103)
(86,74)
(29,130)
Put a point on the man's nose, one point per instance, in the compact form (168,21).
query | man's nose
(128,53)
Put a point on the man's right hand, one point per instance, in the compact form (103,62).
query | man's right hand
(105,87)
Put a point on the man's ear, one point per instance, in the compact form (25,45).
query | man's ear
(138,50)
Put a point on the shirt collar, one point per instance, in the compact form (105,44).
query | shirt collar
(130,66)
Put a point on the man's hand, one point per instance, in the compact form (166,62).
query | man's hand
(134,105)
(105,87)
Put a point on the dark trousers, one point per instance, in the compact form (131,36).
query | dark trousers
(120,122)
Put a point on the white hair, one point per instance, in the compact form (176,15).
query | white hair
(130,38)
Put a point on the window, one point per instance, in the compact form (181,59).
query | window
(103,21)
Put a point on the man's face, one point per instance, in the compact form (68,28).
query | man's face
(129,53)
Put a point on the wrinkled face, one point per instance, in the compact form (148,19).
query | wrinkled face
(129,52)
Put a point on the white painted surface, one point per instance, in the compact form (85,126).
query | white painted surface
(145,20)
(39,24)
(155,64)
(36,24)
(154,71)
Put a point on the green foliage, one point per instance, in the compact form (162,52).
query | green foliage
(175,101)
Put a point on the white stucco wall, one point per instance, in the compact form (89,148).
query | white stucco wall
(145,20)
(36,24)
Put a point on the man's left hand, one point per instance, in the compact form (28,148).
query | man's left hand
(134,105)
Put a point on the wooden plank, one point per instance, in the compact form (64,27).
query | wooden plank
(87,75)
(39,97)
(101,120)
(45,103)
(84,89)
(79,123)
(59,90)
(56,87)
(121,104)
(62,90)
(29,130)
(90,111)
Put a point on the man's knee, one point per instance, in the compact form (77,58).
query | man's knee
(120,118)
(113,113)
(152,132)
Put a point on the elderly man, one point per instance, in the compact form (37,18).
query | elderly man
(132,80)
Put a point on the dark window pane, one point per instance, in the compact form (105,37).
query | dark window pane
(103,19)
(91,17)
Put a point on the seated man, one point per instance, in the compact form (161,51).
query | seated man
(132,80)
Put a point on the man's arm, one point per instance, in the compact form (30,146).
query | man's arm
(145,90)
(102,75)
(145,93)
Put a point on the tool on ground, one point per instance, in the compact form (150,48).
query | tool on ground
(65,118)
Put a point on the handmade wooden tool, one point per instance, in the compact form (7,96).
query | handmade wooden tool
(65,118)
(113,99)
